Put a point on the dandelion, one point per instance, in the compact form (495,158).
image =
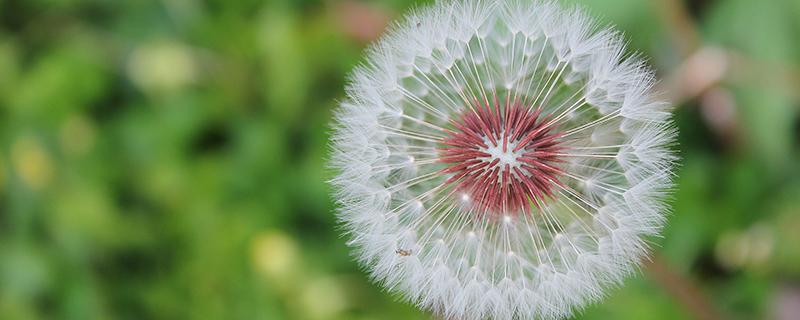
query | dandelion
(501,159)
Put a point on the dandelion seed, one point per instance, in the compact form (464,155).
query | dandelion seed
(501,159)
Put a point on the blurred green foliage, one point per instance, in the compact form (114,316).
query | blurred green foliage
(165,159)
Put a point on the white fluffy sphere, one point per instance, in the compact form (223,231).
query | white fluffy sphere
(501,159)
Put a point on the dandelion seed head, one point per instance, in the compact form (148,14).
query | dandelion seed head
(501,159)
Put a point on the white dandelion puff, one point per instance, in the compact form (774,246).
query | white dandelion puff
(501,159)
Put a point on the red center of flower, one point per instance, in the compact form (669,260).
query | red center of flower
(502,157)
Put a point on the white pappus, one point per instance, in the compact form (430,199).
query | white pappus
(501,159)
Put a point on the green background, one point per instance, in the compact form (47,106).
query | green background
(165,159)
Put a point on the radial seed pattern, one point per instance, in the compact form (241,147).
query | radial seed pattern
(500,159)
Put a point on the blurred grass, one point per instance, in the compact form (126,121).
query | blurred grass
(165,159)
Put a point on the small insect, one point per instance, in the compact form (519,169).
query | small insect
(403,253)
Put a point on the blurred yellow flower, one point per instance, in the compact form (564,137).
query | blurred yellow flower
(32,163)
(274,255)
(161,67)
(323,298)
